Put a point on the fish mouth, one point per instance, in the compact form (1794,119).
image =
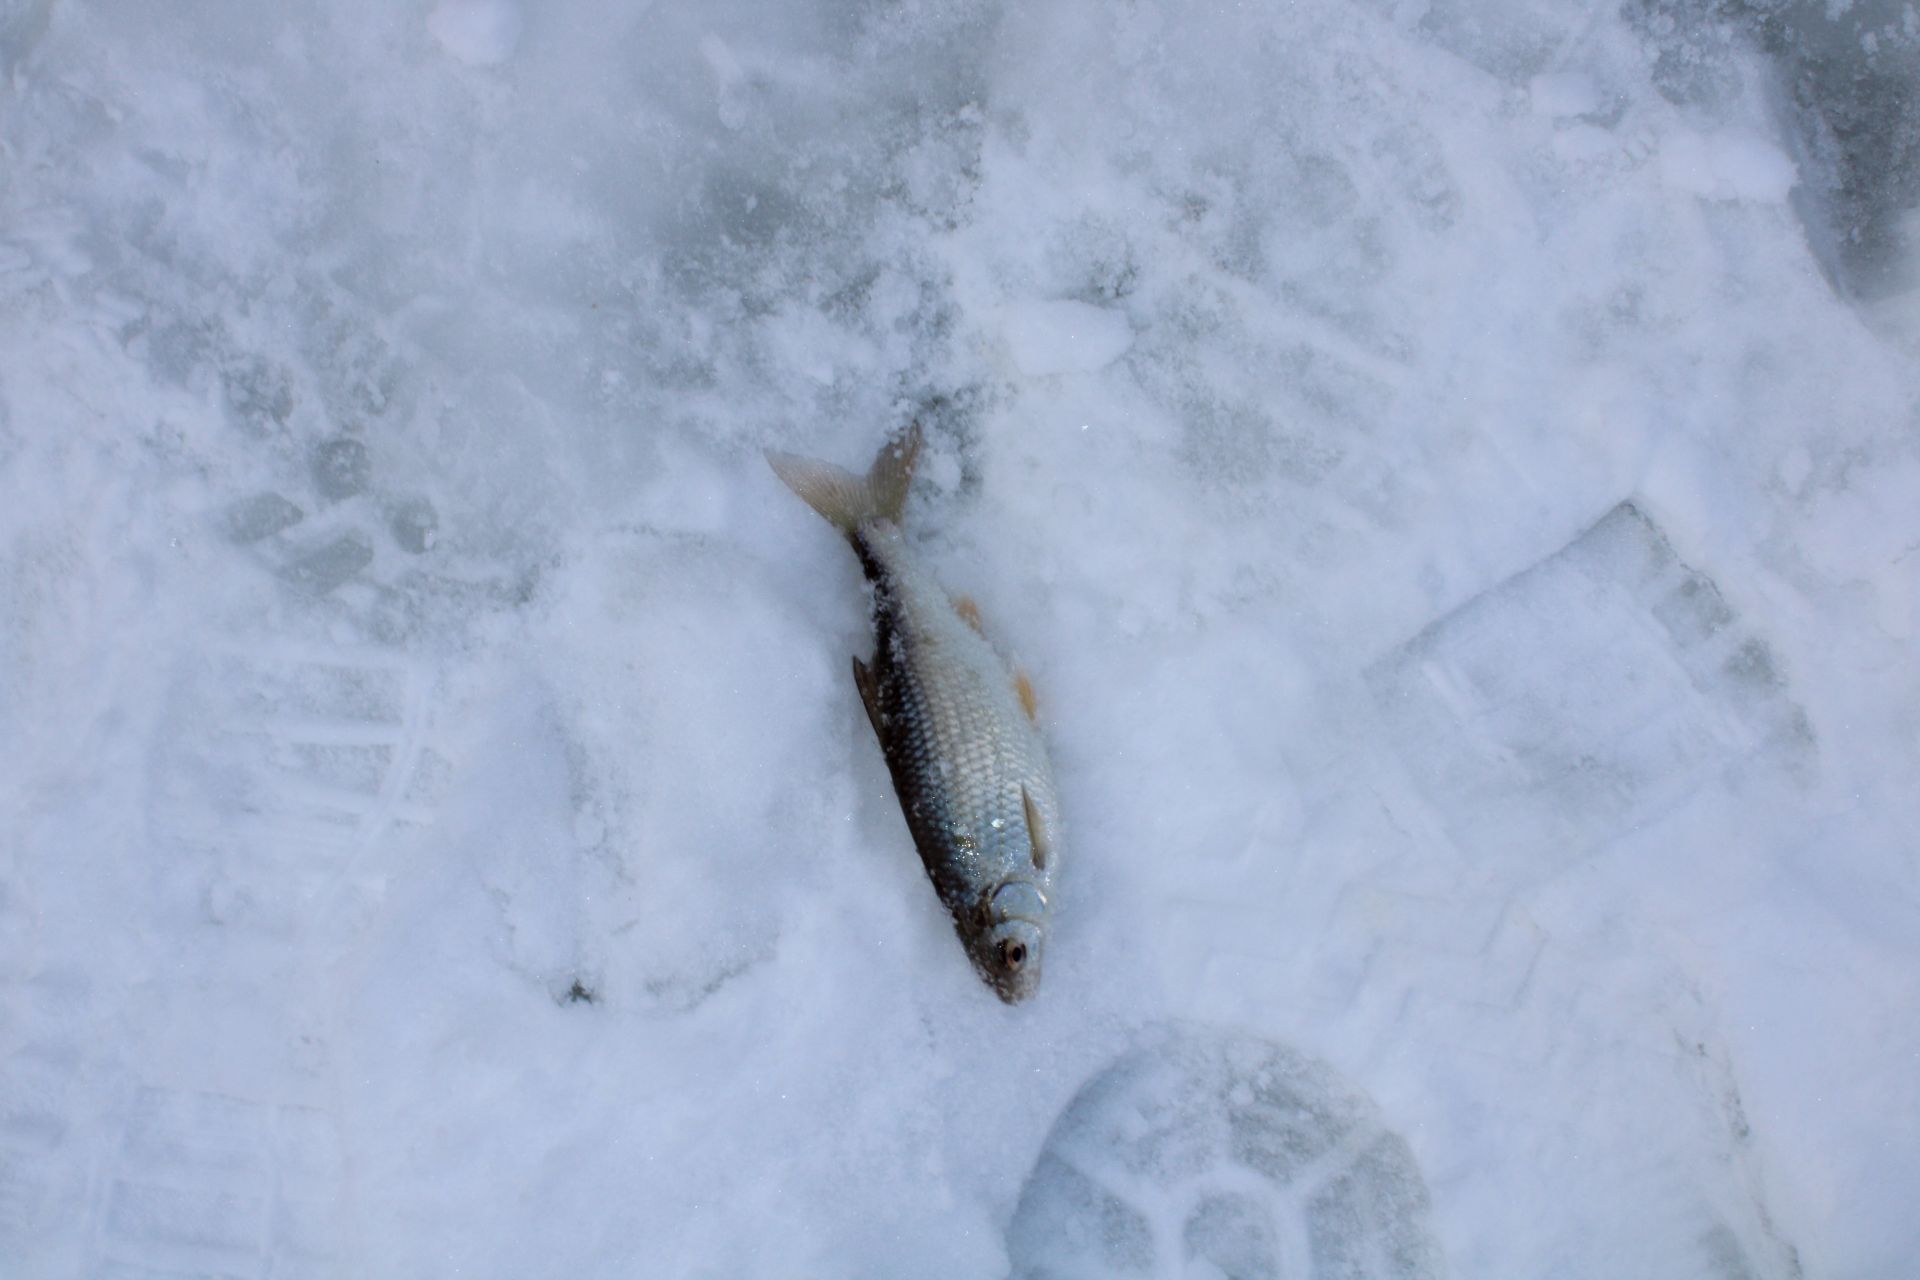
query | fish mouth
(1017,992)
(1015,988)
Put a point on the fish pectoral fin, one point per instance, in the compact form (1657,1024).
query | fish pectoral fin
(1029,702)
(869,695)
(1038,837)
(969,613)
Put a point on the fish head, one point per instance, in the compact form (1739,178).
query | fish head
(1008,950)
(1009,959)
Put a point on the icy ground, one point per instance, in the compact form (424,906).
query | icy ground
(1452,469)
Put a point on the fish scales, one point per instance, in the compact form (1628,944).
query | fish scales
(960,744)
(968,763)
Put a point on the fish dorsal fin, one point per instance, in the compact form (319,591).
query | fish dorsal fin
(1022,687)
(1029,702)
(969,613)
(1037,835)
(869,695)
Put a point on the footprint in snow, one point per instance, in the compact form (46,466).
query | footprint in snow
(1221,1154)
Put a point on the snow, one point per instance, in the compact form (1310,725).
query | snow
(1738,167)
(1449,470)
(480,33)
(1063,337)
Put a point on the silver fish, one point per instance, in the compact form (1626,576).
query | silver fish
(956,726)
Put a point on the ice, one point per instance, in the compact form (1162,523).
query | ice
(1448,469)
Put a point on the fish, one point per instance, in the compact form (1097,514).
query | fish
(958,727)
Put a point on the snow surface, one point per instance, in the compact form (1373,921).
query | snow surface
(478,32)
(1452,470)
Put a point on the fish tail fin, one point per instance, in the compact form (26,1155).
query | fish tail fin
(845,499)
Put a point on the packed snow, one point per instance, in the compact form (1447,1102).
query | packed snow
(1451,470)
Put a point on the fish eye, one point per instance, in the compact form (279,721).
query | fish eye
(1013,954)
